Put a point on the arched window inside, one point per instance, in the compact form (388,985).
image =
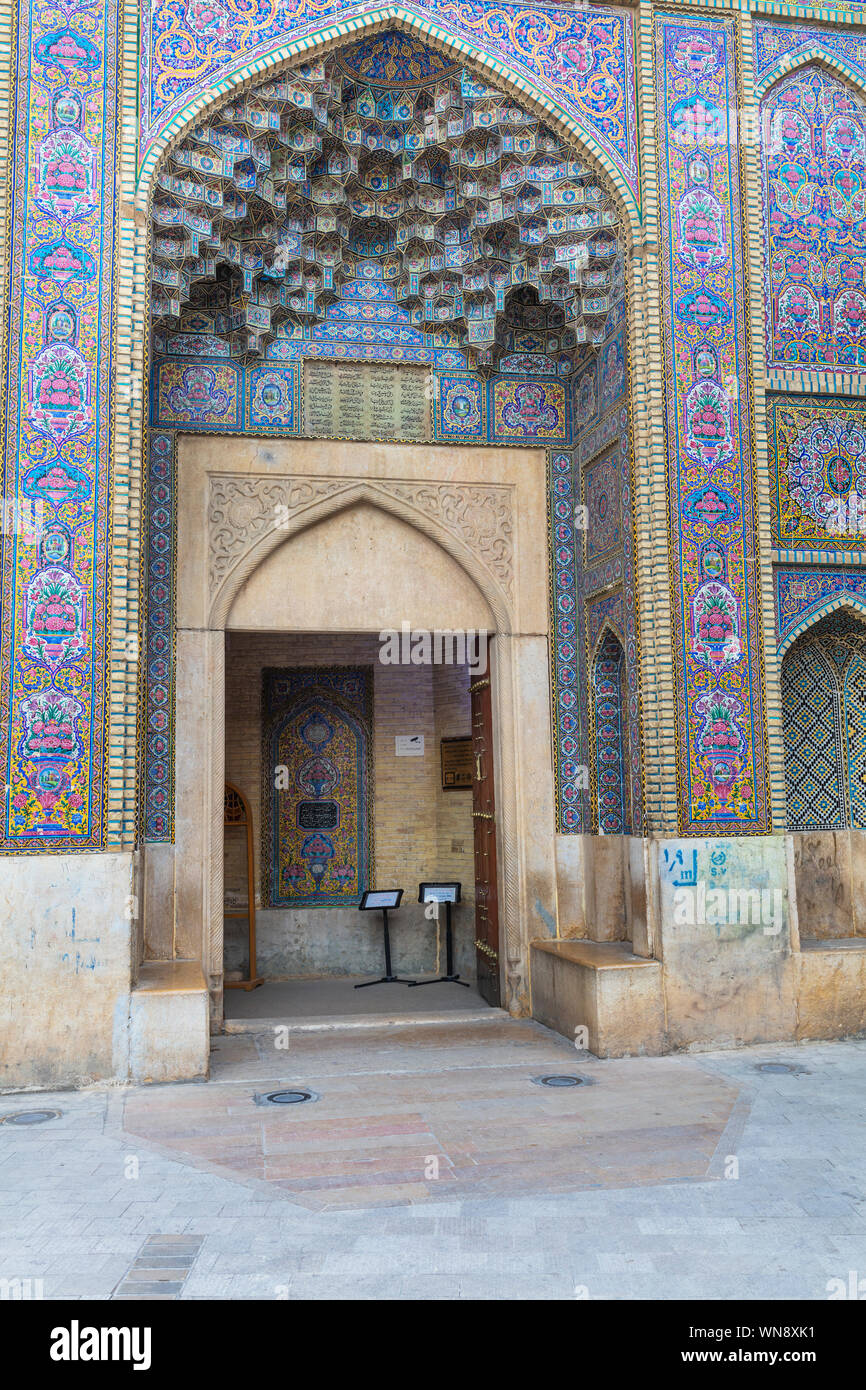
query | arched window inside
(610,809)
(824,725)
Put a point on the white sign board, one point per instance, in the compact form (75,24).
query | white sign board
(409,745)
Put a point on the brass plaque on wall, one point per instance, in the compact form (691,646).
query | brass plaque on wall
(367,400)
(457,768)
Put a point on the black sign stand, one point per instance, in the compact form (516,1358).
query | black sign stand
(449,978)
(388,978)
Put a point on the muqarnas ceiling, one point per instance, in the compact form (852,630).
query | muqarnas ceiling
(352,179)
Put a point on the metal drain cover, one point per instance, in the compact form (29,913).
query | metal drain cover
(292,1097)
(781,1068)
(30,1117)
(561,1081)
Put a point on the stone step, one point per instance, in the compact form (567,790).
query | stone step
(358,1022)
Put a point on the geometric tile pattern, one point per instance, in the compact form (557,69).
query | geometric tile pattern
(824,719)
(814,769)
(567,618)
(711,490)
(855,736)
(814,160)
(818,463)
(158,668)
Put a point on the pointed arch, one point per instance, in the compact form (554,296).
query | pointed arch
(815,54)
(852,602)
(823,688)
(340,35)
(610,626)
(340,499)
(610,801)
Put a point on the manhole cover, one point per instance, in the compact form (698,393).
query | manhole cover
(286,1097)
(30,1117)
(779,1068)
(559,1081)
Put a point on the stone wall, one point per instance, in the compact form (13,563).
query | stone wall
(67,966)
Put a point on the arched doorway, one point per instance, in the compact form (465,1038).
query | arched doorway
(824,719)
(337,710)
(289,560)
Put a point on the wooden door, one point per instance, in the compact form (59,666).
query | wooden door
(484,826)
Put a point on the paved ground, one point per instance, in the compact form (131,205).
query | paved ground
(418,1114)
(679,1177)
(338,997)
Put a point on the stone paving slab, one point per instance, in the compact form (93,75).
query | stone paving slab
(791,1219)
(447,1108)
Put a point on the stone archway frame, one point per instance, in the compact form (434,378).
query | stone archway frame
(308,501)
(135,190)
(505,558)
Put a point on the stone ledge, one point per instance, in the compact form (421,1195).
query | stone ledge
(831,988)
(832,943)
(595,955)
(169,1035)
(602,987)
(170,977)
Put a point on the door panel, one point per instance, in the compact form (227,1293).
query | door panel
(484,828)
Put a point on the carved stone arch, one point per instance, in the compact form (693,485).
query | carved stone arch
(489,565)
(816,56)
(851,602)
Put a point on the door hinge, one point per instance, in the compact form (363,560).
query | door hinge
(483,815)
(478,685)
(485,949)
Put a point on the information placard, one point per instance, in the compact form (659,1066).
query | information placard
(456,763)
(366,400)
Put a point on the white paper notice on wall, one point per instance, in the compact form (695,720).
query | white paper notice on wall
(409,745)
